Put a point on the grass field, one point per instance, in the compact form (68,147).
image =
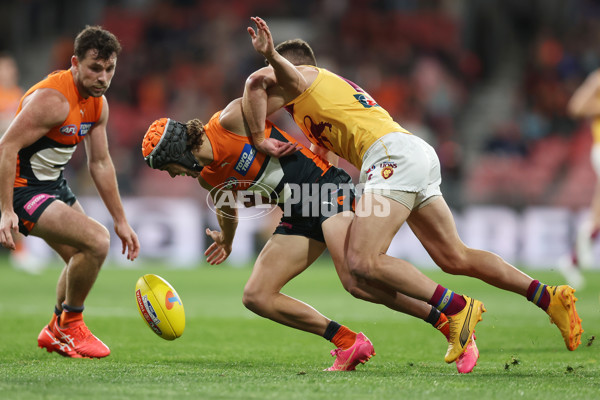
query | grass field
(227,352)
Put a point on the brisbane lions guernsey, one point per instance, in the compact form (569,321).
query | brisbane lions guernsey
(238,166)
(45,159)
(337,114)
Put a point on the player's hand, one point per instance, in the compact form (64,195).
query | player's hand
(262,39)
(276,148)
(129,240)
(9,225)
(219,250)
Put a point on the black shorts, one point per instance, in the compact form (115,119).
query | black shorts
(29,202)
(314,203)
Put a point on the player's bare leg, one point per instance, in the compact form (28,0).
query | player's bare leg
(282,259)
(377,220)
(335,230)
(68,229)
(435,228)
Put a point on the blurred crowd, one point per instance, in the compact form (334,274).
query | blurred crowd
(423,61)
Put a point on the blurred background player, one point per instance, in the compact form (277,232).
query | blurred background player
(402,171)
(585,104)
(55,115)
(10,95)
(10,91)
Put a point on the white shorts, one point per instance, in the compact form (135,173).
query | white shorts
(402,162)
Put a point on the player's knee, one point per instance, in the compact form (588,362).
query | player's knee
(348,282)
(354,289)
(454,262)
(100,242)
(360,266)
(253,299)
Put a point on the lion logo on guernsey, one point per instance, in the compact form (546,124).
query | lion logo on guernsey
(386,172)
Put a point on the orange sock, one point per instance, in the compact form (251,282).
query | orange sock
(442,325)
(68,317)
(344,338)
(52,320)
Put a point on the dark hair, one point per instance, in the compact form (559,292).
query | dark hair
(195,132)
(297,51)
(94,37)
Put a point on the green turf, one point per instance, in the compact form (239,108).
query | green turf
(227,352)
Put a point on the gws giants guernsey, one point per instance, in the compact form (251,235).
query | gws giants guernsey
(238,166)
(45,159)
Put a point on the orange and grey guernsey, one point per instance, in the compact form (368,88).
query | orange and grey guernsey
(44,160)
(337,114)
(237,165)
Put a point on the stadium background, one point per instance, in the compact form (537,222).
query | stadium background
(485,82)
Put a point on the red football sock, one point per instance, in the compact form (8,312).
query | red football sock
(447,301)
(538,294)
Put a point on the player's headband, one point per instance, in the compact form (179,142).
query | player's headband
(166,142)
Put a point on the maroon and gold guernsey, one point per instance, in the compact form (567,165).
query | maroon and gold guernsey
(45,159)
(238,166)
(337,114)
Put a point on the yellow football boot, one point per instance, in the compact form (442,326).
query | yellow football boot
(563,314)
(462,325)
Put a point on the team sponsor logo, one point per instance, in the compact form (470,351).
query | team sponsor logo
(148,311)
(386,172)
(171,299)
(36,201)
(245,161)
(68,130)
(84,128)
(365,100)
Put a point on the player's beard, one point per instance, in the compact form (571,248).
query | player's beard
(96,91)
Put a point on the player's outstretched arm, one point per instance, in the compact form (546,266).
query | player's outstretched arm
(269,89)
(102,171)
(258,100)
(287,75)
(224,202)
